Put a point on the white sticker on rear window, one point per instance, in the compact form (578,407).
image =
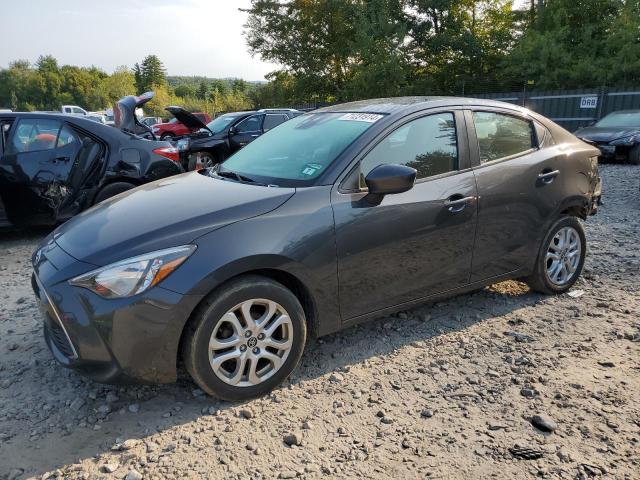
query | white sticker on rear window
(362,117)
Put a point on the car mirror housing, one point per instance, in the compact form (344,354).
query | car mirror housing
(389,179)
(232,130)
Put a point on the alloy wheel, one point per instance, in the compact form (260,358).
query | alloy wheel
(251,342)
(563,256)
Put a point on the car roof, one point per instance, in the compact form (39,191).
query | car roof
(397,104)
(79,120)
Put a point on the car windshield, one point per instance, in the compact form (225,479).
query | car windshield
(620,119)
(298,151)
(220,123)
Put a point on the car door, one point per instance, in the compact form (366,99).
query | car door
(35,169)
(245,132)
(519,187)
(412,244)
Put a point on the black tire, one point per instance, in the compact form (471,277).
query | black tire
(634,155)
(167,136)
(112,190)
(208,315)
(539,280)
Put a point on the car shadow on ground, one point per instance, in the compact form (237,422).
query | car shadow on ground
(136,412)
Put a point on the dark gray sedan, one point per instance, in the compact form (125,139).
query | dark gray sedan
(337,216)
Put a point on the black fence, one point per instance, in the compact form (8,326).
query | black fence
(570,108)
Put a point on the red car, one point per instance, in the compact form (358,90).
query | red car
(175,128)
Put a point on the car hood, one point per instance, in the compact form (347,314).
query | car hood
(188,119)
(605,134)
(169,212)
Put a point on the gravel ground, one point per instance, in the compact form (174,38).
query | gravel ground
(501,383)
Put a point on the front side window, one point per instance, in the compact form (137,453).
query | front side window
(251,124)
(501,135)
(300,149)
(35,134)
(428,144)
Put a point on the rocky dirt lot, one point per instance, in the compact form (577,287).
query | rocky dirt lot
(501,383)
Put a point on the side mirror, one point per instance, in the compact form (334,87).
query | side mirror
(389,179)
(232,130)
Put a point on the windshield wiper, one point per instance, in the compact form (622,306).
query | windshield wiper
(237,177)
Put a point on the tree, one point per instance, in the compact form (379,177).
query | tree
(149,73)
(203,90)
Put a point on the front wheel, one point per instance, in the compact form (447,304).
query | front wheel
(561,257)
(245,339)
(202,160)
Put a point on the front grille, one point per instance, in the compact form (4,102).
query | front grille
(59,338)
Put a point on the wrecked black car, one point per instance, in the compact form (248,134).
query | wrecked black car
(222,137)
(53,166)
(617,135)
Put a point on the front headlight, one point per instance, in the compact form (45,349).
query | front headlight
(626,141)
(134,275)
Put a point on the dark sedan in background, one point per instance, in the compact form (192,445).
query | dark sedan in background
(617,136)
(228,133)
(337,216)
(53,166)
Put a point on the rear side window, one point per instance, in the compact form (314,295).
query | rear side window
(66,137)
(501,135)
(428,144)
(271,121)
(33,135)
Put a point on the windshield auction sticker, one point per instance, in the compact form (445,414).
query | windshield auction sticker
(362,117)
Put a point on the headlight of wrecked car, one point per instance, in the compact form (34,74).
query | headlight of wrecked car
(625,141)
(134,275)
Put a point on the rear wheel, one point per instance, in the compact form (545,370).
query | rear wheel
(634,155)
(561,257)
(112,190)
(245,339)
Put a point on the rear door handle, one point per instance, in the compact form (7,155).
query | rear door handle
(456,204)
(547,177)
(255,135)
(61,159)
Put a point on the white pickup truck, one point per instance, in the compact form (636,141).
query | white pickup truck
(73,110)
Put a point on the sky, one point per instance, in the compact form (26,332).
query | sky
(191,37)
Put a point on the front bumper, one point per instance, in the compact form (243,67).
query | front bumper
(129,340)
(613,153)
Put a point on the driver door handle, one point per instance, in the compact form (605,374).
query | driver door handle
(456,203)
(547,177)
(61,159)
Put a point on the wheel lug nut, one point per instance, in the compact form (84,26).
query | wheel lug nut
(243,348)
(247,333)
(256,350)
(261,336)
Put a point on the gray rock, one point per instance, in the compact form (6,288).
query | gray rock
(426,413)
(288,474)
(110,467)
(133,475)
(336,377)
(292,439)
(544,423)
(246,413)
(15,473)
(134,407)
(77,404)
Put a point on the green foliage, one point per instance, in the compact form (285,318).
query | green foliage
(350,49)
